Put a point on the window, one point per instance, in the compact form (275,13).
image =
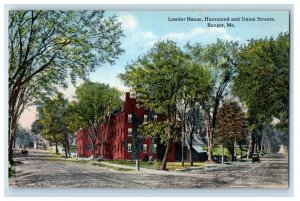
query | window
(145,148)
(145,118)
(129,117)
(88,147)
(129,147)
(155,118)
(129,131)
(154,148)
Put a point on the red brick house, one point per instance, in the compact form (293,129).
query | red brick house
(123,141)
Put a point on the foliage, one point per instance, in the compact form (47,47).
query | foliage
(156,78)
(95,103)
(160,129)
(272,139)
(47,46)
(137,138)
(53,126)
(220,59)
(194,93)
(263,79)
(230,126)
(24,137)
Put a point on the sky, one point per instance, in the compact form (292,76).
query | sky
(142,29)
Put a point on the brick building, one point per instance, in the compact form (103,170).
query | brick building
(123,140)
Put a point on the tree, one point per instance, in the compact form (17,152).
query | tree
(263,79)
(95,104)
(47,46)
(221,60)
(23,137)
(230,129)
(53,127)
(156,78)
(192,95)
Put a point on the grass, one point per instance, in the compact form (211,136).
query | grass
(63,159)
(170,165)
(177,165)
(112,168)
(132,163)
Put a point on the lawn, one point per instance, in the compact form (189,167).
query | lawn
(177,165)
(155,165)
(133,163)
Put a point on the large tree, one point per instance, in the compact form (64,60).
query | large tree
(262,82)
(53,127)
(45,47)
(156,78)
(230,129)
(263,78)
(193,94)
(95,104)
(221,59)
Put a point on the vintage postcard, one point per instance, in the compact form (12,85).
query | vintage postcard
(148,99)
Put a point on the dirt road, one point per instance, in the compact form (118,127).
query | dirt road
(40,169)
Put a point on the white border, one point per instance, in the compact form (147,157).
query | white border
(113,4)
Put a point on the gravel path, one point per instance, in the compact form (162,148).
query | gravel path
(40,169)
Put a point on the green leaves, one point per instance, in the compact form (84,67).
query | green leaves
(95,101)
(52,121)
(263,78)
(157,76)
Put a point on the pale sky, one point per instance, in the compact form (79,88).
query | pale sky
(143,28)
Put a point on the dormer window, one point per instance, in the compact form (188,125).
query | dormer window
(145,118)
(129,117)
(129,131)
(155,118)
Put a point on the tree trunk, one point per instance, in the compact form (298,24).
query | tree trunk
(12,132)
(209,144)
(209,137)
(222,154)
(252,144)
(14,143)
(94,148)
(241,149)
(66,143)
(163,165)
(182,146)
(56,147)
(191,153)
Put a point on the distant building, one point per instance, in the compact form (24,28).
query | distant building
(123,141)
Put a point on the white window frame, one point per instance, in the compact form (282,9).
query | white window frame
(129,148)
(129,130)
(145,147)
(154,148)
(129,118)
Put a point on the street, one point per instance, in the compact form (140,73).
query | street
(41,169)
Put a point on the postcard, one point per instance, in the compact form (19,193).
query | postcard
(148,99)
